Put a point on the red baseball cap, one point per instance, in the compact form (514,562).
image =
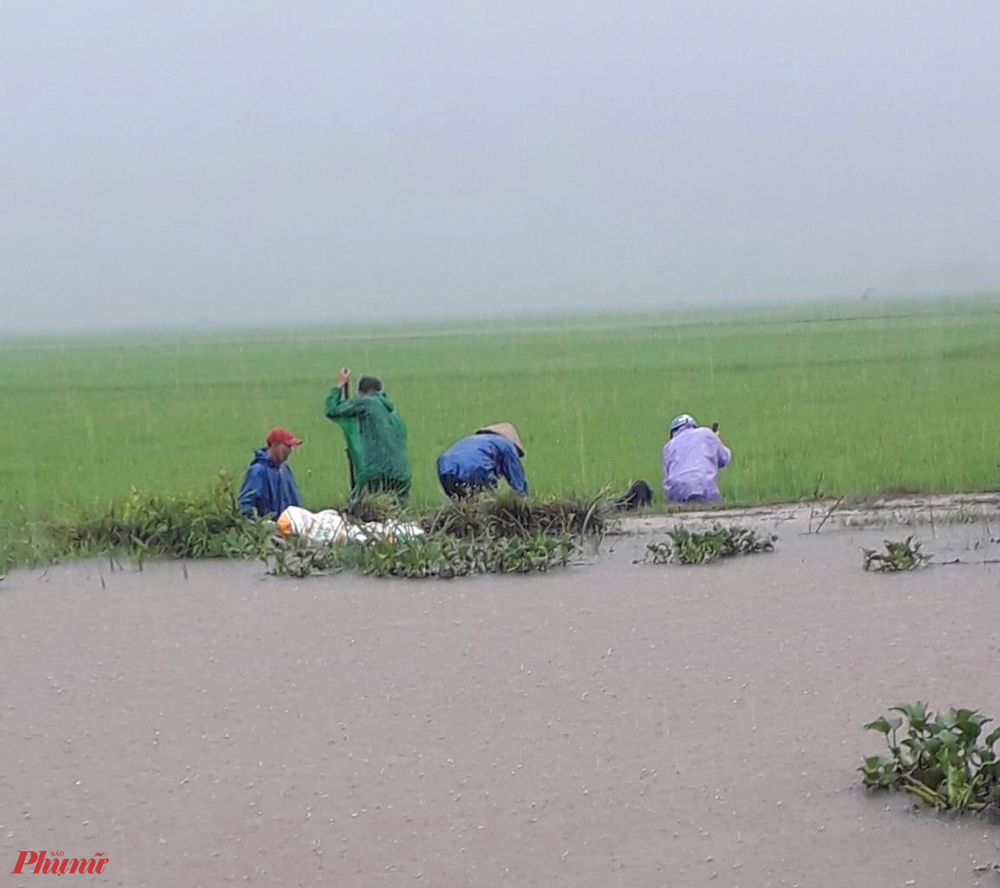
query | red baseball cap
(282,436)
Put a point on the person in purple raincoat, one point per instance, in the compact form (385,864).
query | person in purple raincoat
(691,462)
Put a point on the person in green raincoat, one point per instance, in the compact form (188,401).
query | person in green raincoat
(375,435)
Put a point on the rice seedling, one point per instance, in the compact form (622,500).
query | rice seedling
(380,507)
(505,515)
(144,525)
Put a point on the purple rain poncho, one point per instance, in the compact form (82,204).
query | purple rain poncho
(691,462)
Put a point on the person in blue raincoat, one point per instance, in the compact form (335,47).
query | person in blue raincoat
(269,485)
(480,460)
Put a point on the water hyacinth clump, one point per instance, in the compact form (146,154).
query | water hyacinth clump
(941,759)
(897,556)
(484,534)
(693,547)
(435,555)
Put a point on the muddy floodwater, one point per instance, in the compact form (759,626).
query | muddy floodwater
(609,725)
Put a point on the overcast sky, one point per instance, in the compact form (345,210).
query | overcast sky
(186,162)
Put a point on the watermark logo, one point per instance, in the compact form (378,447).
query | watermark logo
(56,863)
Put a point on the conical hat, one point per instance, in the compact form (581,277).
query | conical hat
(506,430)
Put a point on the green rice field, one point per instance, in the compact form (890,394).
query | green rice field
(840,399)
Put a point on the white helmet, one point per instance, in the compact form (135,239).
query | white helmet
(684,421)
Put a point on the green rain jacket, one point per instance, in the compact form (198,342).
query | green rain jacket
(376,441)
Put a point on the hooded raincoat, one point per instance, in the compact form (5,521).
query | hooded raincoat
(376,441)
(691,463)
(268,488)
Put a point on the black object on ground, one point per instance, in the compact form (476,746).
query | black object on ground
(638,495)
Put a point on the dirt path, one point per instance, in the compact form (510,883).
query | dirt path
(616,725)
(924,510)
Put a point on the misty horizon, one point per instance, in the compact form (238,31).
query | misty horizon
(242,165)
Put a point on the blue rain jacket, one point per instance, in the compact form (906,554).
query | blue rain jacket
(268,489)
(480,460)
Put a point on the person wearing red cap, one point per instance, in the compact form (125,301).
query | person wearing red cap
(269,486)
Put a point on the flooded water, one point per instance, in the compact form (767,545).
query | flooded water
(611,725)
